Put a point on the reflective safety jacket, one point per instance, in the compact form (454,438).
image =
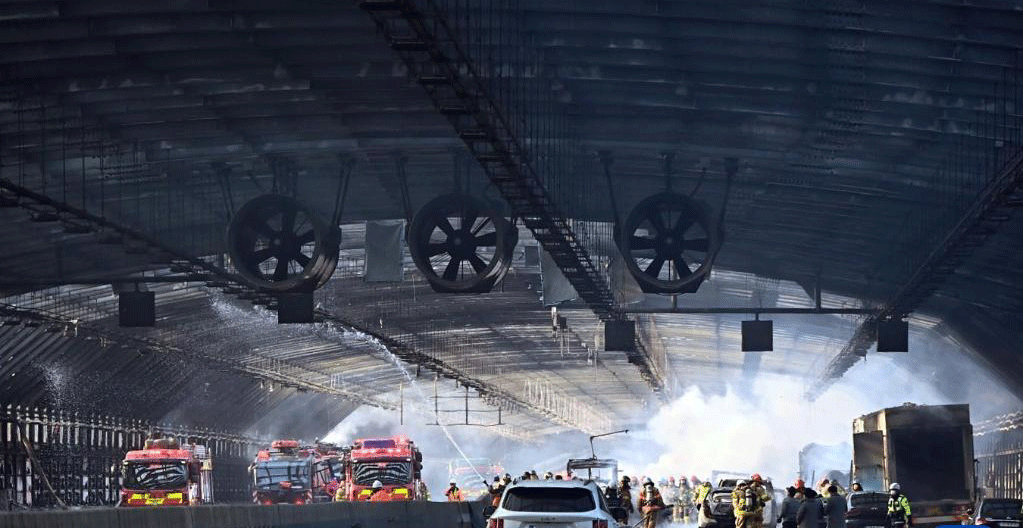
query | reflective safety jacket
(701,493)
(454,495)
(750,500)
(898,508)
(650,501)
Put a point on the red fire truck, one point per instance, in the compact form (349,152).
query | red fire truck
(396,462)
(283,474)
(165,473)
(329,470)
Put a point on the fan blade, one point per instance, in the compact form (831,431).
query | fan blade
(307,237)
(654,216)
(451,272)
(281,271)
(654,269)
(488,240)
(445,225)
(263,254)
(433,249)
(638,242)
(697,244)
(480,227)
(469,216)
(302,259)
(288,219)
(477,263)
(681,268)
(683,224)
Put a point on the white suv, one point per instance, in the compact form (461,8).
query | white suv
(552,504)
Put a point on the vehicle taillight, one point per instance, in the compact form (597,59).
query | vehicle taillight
(981,520)
(599,524)
(495,523)
(300,500)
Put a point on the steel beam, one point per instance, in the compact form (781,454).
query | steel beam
(753,311)
(977,224)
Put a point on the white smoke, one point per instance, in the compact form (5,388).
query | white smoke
(698,433)
(759,424)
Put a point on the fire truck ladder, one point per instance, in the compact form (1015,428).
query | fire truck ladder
(424,41)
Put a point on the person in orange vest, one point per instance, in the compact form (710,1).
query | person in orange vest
(650,503)
(379,493)
(454,494)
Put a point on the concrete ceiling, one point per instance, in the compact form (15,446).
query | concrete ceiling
(842,117)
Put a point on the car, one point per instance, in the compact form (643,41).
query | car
(552,504)
(999,513)
(716,510)
(867,509)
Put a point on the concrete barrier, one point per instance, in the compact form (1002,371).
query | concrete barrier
(327,515)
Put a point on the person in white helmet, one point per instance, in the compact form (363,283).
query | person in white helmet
(650,503)
(900,514)
(378,492)
(454,493)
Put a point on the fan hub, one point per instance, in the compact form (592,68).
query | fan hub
(462,244)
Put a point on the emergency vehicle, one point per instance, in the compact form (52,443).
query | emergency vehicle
(283,474)
(165,473)
(396,462)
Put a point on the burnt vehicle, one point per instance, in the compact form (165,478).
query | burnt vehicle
(867,509)
(716,510)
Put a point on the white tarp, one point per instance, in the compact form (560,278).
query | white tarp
(383,251)
(556,288)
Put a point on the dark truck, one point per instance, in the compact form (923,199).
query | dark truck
(927,449)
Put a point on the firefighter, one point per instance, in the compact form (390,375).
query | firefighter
(454,494)
(701,494)
(331,487)
(650,503)
(683,502)
(763,497)
(378,493)
(496,490)
(899,512)
(825,488)
(625,490)
(615,505)
(340,495)
(747,504)
(669,492)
